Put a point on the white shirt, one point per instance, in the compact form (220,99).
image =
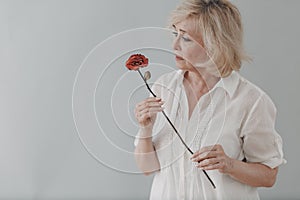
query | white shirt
(234,113)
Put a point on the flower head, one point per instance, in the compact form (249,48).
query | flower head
(136,61)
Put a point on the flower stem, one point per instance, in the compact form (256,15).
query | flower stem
(177,133)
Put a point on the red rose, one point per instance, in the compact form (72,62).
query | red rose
(136,61)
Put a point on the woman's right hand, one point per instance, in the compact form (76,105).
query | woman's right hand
(146,111)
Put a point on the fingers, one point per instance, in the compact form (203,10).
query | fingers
(151,110)
(150,104)
(211,167)
(207,152)
(206,155)
(146,114)
(145,111)
(208,163)
(151,101)
(210,158)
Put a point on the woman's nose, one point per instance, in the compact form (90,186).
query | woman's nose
(176,45)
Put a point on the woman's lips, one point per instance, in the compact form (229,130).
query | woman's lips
(179,58)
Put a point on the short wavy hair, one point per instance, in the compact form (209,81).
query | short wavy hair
(219,24)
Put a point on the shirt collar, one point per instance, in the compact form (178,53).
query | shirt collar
(229,83)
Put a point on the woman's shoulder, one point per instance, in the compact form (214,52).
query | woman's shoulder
(252,92)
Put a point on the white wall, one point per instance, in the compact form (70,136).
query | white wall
(42,45)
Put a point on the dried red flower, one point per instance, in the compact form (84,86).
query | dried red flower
(136,61)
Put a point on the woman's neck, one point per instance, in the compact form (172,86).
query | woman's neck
(200,80)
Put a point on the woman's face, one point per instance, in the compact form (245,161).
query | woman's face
(188,46)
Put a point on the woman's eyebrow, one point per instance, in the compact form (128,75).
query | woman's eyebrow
(179,29)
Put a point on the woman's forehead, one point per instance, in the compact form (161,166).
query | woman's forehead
(188,26)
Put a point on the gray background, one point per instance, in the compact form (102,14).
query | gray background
(43,43)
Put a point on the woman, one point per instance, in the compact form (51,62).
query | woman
(227,121)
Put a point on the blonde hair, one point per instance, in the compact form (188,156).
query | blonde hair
(219,24)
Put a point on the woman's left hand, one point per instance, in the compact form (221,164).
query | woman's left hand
(212,158)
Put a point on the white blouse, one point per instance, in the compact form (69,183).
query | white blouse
(235,113)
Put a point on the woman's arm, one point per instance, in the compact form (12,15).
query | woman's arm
(253,174)
(145,154)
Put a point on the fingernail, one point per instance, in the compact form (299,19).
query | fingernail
(157,98)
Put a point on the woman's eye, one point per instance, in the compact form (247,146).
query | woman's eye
(175,34)
(186,39)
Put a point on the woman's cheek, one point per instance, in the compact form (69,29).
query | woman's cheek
(191,51)
(188,54)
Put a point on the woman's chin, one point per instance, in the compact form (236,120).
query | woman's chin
(181,66)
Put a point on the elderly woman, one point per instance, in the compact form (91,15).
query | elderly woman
(226,120)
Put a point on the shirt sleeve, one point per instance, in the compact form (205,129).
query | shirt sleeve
(261,142)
